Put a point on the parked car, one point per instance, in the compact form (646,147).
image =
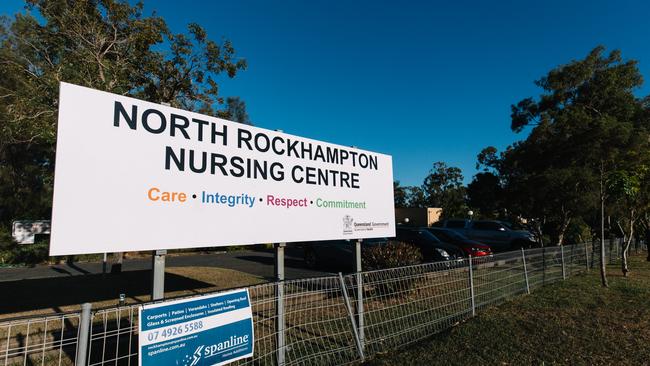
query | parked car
(432,248)
(334,253)
(498,235)
(467,245)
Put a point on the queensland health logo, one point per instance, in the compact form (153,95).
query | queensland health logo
(205,330)
(347,224)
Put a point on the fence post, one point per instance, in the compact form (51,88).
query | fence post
(471,285)
(611,249)
(619,248)
(351,314)
(593,253)
(572,258)
(84,330)
(358,269)
(279,305)
(523,258)
(586,257)
(563,266)
(543,266)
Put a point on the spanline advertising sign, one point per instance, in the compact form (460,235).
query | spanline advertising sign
(206,330)
(133,175)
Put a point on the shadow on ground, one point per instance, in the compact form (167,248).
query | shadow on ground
(33,294)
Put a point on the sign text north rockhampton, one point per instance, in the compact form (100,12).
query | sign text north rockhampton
(211,162)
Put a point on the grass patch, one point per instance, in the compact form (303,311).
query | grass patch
(571,322)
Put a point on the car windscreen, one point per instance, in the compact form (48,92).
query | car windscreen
(449,235)
(428,236)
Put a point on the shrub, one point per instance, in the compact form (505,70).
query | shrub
(12,253)
(389,255)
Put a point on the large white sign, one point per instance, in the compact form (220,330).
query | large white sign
(157,177)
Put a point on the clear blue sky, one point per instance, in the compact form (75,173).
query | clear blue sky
(421,81)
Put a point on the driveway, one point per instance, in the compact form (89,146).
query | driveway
(256,262)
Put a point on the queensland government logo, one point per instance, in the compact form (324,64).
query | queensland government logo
(350,226)
(347,224)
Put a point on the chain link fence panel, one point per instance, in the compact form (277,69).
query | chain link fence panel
(327,320)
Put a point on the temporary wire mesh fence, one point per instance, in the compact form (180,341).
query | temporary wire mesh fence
(321,321)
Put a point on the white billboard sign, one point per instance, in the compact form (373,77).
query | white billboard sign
(158,177)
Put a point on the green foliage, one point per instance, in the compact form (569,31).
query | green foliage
(586,127)
(628,184)
(26,254)
(10,253)
(390,255)
(236,111)
(103,44)
(485,195)
(410,196)
(399,195)
(443,187)
(578,232)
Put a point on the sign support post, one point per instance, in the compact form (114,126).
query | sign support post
(158,276)
(279,306)
(358,269)
(104,264)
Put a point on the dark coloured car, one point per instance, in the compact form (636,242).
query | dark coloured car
(498,235)
(432,248)
(467,245)
(335,254)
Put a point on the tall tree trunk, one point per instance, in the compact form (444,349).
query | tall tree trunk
(538,234)
(626,245)
(566,220)
(537,227)
(603,268)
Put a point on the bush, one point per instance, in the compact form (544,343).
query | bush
(12,253)
(390,255)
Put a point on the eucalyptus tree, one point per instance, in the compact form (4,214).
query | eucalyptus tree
(629,188)
(591,118)
(444,188)
(108,45)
